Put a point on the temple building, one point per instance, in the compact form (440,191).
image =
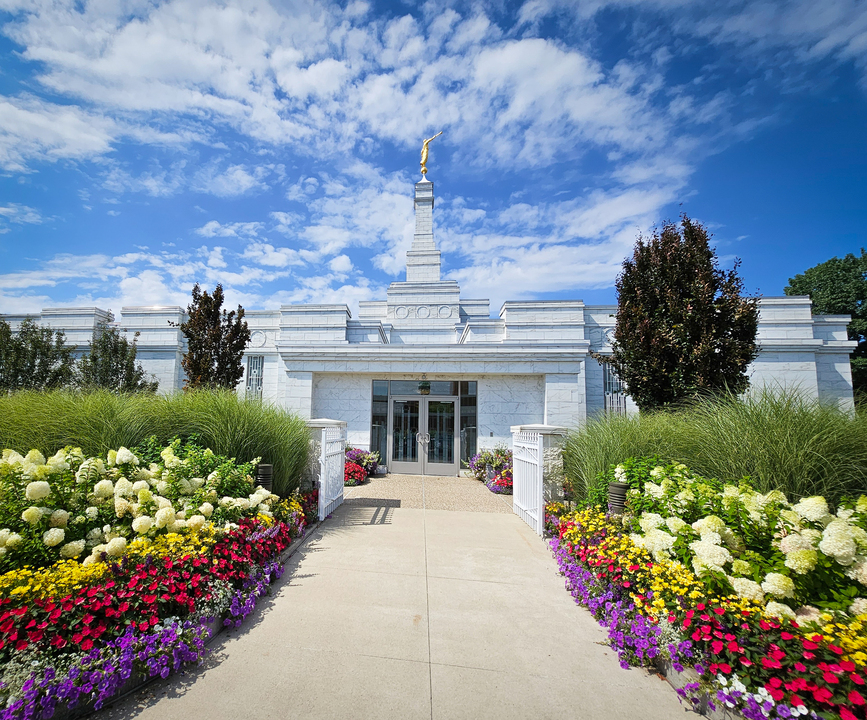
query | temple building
(427,377)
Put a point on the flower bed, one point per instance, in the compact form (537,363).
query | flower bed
(501,483)
(123,570)
(369,461)
(500,462)
(353,474)
(764,599)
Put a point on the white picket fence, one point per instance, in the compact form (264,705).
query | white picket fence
(537,471)
(527,481)
(331,461)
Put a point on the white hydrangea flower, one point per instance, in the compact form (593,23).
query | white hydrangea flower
(741,567)
(858,571)
(53,537)
(37,490)
(709,523)
(659,543)
(72,549)
(802,561)
(111,458)
(163,502)
(845,513)
(162,487)
(103,489)
(57,462)
(619,474)
(145,495)
(791,517)
(94,535)
(812,508)
(123,487)
(837,542)
(206,509)
(779,610)
(4,534)
(140,485)
(861,505)
(116,547)
(655,491)
(181,514)
(747,589)
(709,555)
(807,614)
(778,585)
(164,517)
(196,522)
(12,458)
(647,522)
(858,607)
(795,541)
(142,524)
(122,506)
(32,515)
(126,457)
(34,457)
(59,518)
(859,535)
(176,526)
(186,488)
(92,512)
(225,501)
(196,483)
(14,540)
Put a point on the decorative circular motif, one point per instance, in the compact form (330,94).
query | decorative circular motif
(257,338)
(423,312)
(609,336)
(445,311)
(401,312)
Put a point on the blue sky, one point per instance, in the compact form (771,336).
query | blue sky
(272,146)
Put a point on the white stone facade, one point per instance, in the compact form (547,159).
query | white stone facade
(530,364)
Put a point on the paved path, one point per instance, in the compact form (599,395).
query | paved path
(395,608)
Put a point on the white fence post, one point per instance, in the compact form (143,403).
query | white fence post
(537,471)
(330,436)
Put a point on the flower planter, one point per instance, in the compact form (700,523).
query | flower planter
(617,497)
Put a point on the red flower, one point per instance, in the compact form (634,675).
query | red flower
(809,645)
(800,667)
(830,678)
(771,663)
(717,647)
(856,698)
(822,695)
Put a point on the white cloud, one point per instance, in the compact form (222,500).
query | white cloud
(234,180)
(212,228)
(18,214)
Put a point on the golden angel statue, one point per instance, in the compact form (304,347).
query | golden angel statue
(424,152)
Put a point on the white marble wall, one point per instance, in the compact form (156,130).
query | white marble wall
(565,399)
(506,400)
(346,397)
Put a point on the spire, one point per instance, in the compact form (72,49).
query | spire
(423,258)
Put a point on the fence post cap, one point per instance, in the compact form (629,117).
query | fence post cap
(325,422)
(540,428)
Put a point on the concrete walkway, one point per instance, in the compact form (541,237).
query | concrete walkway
(395,608)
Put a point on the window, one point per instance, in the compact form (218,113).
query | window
(255,366)
(615,395)
(469,422)
(379,420)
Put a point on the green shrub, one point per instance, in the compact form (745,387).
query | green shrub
(100,421)
(781,440)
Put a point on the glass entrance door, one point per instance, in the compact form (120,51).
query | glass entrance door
(423,437)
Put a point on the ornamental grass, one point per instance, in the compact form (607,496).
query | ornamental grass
(781,440)
(99,421)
